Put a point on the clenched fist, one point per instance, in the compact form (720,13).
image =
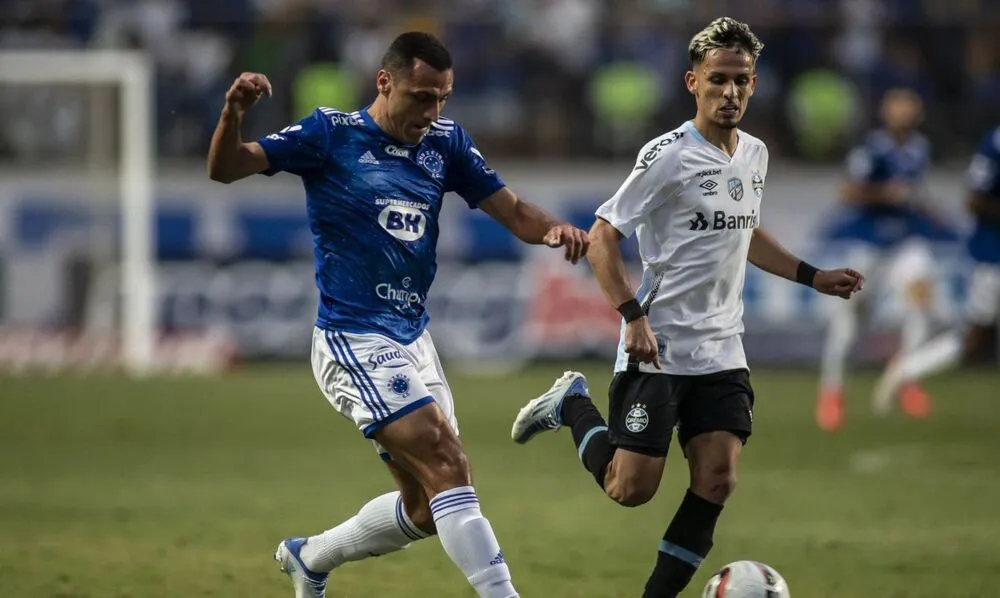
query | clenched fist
(843,282)
(246,90)
(640,342)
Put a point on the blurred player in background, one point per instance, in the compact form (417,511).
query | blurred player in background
(983,309)
(374,182)
(693,200)
(885,224)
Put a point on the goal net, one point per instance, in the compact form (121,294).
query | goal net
(77,217)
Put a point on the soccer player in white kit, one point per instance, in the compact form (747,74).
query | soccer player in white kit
(693,200)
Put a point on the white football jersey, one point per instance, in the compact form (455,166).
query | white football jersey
(693,209)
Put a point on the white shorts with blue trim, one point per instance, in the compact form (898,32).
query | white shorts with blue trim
(895,268)
(373,380)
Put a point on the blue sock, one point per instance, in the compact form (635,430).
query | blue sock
(590,434)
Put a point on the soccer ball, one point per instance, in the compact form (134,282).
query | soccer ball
(746,579)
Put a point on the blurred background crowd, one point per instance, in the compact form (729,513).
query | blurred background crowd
(535,79)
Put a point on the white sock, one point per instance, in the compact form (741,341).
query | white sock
(916,329)
(939,354)
(380,527)
(470,543)
(840,334)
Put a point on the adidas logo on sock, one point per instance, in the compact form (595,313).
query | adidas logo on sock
(368,158)
(498,559)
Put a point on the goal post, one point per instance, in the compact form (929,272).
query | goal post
(132,74)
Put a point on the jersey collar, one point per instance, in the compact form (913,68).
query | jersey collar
(695,134)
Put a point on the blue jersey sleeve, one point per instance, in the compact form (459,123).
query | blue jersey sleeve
(299,148)
(984,171)
(468,173)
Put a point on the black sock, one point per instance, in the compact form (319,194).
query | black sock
(590,434)
(684,546)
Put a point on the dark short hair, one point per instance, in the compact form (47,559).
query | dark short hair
(416,45)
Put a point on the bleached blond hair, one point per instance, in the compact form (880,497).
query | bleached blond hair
(724,32)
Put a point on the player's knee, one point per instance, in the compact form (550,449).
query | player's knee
(630,491)
(715,482)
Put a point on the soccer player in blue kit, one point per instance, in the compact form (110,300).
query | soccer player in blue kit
(374,181)
(887,222)
(982,313)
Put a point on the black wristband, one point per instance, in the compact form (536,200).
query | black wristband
(631,310)
(805,274)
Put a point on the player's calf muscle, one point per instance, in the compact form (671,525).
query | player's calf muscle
(629,492)
(419,511)
(415,501)
(632,483)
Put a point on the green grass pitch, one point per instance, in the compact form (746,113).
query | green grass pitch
(182,487)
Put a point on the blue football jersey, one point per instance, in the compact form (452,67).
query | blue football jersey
(373,205)
(879,159)
(984,179)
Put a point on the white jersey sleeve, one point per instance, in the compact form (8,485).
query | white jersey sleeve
(652,182)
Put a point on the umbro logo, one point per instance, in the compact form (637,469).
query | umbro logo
(368,158)
(709,186)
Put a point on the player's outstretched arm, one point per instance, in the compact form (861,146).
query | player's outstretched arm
(229,158)
(534,225)
(768,255)
(606,261)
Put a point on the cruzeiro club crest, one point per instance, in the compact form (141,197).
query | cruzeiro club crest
(399,385)
(736,188)
(758,184)
(637,418)
(432,162)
